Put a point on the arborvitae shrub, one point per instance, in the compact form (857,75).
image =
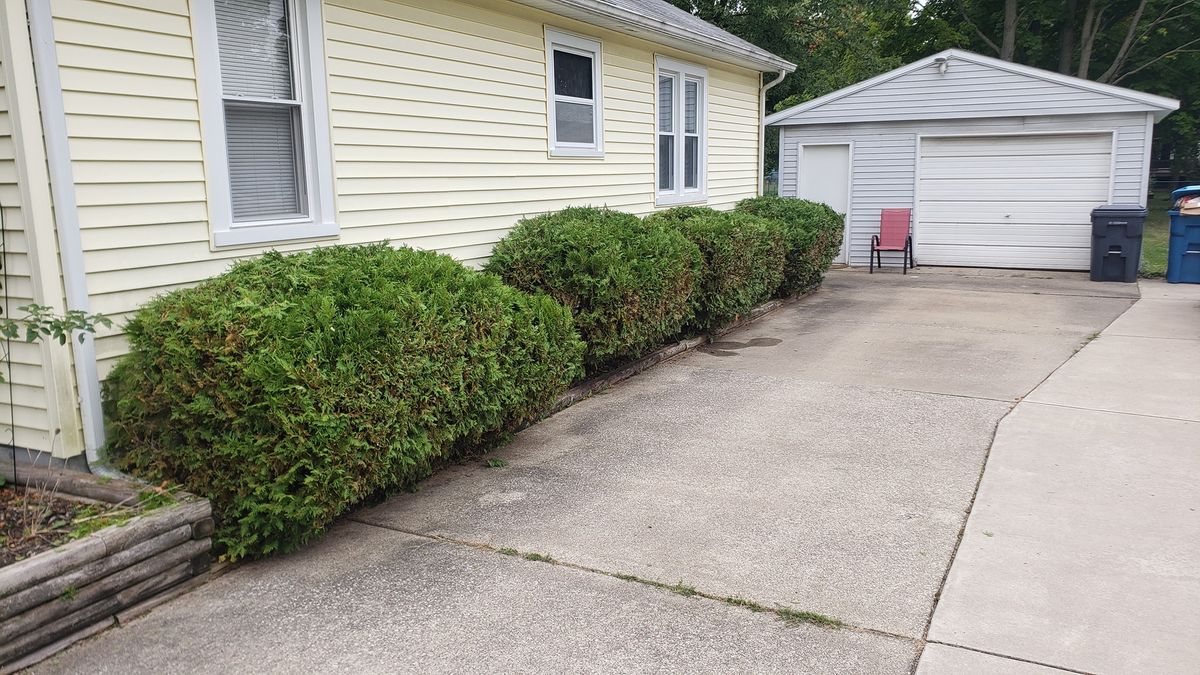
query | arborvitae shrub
(629,282)
(292,387)
(812,235)
(743,260)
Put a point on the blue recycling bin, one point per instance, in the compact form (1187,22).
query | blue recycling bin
(1183,251)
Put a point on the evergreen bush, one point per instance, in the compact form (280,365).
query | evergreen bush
(743,260)
(812,236)
(293,387)
(628,281)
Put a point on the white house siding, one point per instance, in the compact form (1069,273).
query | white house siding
(24,420)
(884,160)
(438,129)
(966,90)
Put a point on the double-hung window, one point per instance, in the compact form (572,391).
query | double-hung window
(681,120)
(574,100)
(265,120)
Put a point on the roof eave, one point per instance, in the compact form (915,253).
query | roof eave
(602,14)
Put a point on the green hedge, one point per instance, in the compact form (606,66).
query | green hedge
(293,387)
(812,232)
(629,282)
(743,260)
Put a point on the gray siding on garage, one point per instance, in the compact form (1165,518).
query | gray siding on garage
(884,159)
(966,90)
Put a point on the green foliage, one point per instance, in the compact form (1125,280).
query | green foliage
(629,282)
(812,235)
(41,322)
(293,387)
(743,260)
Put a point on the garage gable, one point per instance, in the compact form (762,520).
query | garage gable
(955,84)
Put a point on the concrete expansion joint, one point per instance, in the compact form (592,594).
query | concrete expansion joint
(1012,658)
(786,614)
(1112,412)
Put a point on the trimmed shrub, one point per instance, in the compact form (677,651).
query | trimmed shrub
(743,260)
(812,233)
(629,282)
(293,387)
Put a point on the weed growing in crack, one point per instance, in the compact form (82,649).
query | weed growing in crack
(789,615)
(682,589)
(743,602)
(538,557)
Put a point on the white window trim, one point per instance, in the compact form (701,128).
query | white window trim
(679,195)
(591,48)
(317,168)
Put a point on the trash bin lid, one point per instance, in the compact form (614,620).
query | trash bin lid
(1185,192)
(1121,210)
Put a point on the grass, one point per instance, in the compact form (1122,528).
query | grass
(496,463)
(1156,236)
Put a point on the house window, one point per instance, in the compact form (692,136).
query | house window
(265,120)
(680,115)
(574,99)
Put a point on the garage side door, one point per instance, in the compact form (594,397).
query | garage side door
(1011,201)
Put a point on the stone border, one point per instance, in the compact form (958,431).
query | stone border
(57,597)
(599,383)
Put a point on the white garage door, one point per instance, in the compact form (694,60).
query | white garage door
(1011,201)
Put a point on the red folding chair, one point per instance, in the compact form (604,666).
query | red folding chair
(894,235)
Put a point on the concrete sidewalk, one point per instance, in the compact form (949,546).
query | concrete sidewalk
(1082,551)
(818,462)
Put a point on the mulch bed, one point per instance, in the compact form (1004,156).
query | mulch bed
(32,521)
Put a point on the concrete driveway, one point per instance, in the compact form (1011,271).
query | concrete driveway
(821,461)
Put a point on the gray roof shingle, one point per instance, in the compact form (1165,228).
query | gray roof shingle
(658,19)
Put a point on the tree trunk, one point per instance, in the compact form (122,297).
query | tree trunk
(1008,44)
(1091,26)
(1066,38)
(1126,45)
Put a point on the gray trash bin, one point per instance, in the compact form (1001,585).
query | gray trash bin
(1117,241)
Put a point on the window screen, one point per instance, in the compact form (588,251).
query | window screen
(680,124)
(262,109)
(574,94)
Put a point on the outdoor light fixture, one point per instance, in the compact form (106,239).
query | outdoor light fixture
(943,63)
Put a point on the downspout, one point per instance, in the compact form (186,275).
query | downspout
(66,216)
(762,129)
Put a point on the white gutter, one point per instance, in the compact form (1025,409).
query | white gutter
(66,216)
(762,129)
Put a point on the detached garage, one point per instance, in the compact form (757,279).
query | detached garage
(1001,163)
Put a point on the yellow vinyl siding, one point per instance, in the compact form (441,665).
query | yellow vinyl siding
(438,126)
(24,419)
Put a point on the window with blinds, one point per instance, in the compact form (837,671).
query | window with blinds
(680,153)
(262,109)
(574,104)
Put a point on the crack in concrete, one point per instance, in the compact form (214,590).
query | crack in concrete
(1011,658)
(785,614)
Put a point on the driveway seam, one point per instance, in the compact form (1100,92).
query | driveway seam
(937,597)
(1010,401)
(1011,658)
(1113,412)
(749,604)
